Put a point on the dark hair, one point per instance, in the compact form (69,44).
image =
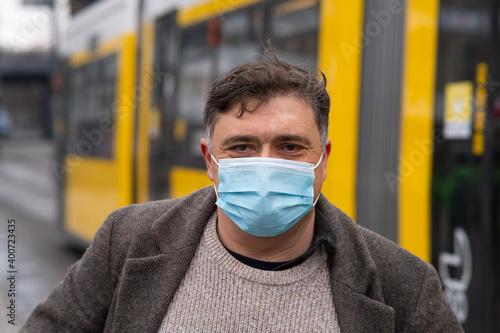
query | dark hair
(262,81)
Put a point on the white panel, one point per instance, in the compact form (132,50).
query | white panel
(103,20)
(155,9)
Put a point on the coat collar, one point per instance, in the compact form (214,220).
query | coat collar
(149,284)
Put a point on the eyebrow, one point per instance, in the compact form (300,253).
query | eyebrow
(250,138)
(294,138)
(238,139)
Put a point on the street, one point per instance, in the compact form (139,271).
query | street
(34,252)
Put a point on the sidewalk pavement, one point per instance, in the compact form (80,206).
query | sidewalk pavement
(27,181)
(28,185)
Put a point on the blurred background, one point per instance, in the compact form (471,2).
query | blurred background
(101,106)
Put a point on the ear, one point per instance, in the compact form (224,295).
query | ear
(328,149)
(207,156)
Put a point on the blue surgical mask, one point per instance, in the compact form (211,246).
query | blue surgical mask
(263,196)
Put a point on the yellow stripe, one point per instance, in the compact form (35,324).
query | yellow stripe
(417,127)
(210,9)
(146,87)
(340,57)
(125,119)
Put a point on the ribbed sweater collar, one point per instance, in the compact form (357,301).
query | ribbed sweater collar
(218,253)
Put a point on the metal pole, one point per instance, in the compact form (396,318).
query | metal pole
(137,104)
(54,65)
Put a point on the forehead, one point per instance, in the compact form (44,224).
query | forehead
(286,115)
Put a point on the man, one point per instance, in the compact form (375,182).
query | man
(262,250)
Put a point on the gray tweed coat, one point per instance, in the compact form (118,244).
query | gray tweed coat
(129,275)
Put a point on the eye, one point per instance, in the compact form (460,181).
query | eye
(241,148)
(290,148)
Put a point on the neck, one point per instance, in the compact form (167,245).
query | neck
(284,247)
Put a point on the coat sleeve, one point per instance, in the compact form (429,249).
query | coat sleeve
(81,301)
(433,312)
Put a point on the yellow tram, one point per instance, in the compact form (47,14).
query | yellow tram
(137,71)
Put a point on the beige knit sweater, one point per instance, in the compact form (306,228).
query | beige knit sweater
(221,294)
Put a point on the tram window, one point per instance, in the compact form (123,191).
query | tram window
(165,69)
(92,102)
(109,70)
(293,18)
(92,92)
(235,28)
(236,45)
(76,99)
(258,23)
(301,51)
(194,42)
(195,75)
(294,31)
(169,63)
(169,49)
(195,79)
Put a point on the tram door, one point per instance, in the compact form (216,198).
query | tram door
(466,165)
(163,101)
(168,131)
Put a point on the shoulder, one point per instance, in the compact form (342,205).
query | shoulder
(390,257)
(133,229)
(401,273)
(374,266)
(140,217)
(374,252)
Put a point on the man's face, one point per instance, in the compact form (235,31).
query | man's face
(283,128)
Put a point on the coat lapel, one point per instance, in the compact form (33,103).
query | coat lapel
(359,313)
(356,289)
(149,284)
(147,289)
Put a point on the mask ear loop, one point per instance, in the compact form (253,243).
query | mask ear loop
(320,159)
(215,188)
(314,203)
(214,160)
(217,194)
(317,164)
